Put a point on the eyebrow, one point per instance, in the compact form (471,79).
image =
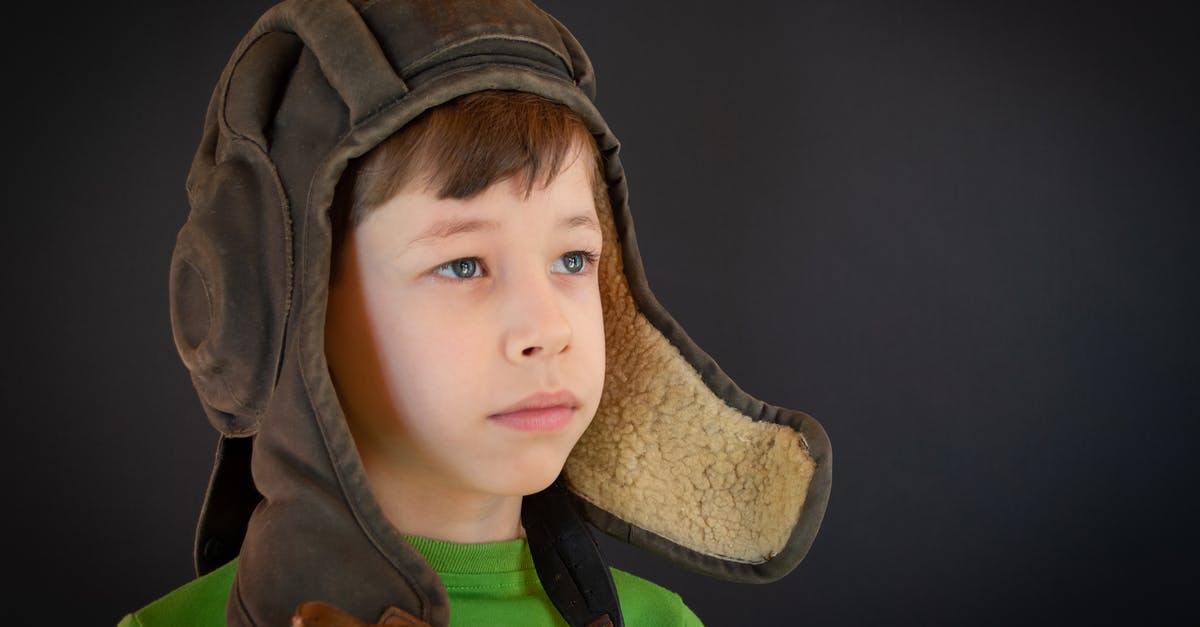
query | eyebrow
(444,229)
(581,220)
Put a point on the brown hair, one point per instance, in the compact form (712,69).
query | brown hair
(460,148)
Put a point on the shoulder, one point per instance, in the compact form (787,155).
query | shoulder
(198,603)
(647,603)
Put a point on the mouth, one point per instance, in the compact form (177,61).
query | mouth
(544,411)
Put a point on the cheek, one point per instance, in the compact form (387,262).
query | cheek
(430,354)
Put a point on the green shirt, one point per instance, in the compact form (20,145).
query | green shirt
(489,584)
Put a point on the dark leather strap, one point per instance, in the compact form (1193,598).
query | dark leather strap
(231,499)
(568,561)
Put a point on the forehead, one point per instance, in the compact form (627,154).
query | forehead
(565,202)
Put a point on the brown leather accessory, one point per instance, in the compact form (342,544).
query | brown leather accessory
(319,614)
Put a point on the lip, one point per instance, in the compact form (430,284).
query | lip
(544,411)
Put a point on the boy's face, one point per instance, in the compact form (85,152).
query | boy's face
(447,314)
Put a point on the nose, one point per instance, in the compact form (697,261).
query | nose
(536,324)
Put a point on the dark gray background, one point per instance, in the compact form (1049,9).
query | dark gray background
(963,235)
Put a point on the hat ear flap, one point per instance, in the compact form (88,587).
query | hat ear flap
(678,459)
(231,271)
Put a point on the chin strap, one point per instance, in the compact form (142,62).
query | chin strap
(228,504)
(568,561)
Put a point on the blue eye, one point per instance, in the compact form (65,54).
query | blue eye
(573,262)
(465,268)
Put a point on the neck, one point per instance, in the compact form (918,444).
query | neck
(431,510)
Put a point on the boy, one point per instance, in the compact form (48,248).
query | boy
(407,286)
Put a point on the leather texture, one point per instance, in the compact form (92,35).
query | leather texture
(318,614)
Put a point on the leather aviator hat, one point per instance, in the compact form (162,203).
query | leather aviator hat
(678,460)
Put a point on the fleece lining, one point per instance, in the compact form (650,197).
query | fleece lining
(667,455)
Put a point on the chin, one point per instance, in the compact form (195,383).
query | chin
(533,478)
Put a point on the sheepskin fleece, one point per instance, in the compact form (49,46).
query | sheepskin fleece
(667,455)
